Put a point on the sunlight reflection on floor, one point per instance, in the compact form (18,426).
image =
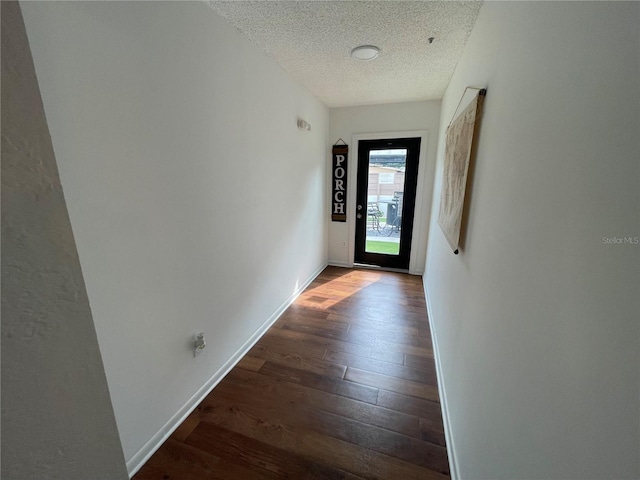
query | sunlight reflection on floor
(322,296)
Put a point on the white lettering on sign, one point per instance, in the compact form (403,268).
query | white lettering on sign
(339,186)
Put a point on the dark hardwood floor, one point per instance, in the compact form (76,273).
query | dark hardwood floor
(343,386)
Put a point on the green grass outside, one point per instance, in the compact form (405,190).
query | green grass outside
(390,248)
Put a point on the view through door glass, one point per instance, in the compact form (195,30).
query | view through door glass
(385,200)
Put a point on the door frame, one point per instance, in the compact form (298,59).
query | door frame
(420,223)
(399,261)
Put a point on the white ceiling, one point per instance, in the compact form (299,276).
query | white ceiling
(312,39)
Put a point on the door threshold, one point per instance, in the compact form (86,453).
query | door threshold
(378,267)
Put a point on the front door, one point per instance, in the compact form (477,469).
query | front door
(385,201)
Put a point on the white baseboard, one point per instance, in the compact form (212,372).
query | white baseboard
(140,458)
(340,264)
(351,265)
(451,449)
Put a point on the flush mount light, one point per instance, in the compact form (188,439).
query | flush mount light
(365,52)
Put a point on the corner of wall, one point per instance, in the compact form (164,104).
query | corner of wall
(57,416)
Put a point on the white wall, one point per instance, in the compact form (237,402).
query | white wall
(397,117)
(537,321)
(196,202)
(57,418)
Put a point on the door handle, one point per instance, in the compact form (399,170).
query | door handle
(359,216)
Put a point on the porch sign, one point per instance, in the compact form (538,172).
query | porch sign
(339,183)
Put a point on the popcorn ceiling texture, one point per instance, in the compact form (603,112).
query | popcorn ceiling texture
(312,41)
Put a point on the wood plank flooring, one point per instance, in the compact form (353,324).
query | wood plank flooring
(343,386)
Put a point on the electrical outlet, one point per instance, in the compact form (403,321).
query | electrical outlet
(344,244)
(198,344)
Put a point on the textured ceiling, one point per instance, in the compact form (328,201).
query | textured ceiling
(312,40)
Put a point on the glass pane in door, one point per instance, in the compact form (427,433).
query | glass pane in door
(385,194)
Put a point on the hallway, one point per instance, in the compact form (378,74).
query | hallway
(343,386)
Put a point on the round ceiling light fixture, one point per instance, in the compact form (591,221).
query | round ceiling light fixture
(365,52)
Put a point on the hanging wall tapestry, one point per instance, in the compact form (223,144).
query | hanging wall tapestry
(459,141)
(339,182)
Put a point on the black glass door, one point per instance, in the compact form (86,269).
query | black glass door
(385,201)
